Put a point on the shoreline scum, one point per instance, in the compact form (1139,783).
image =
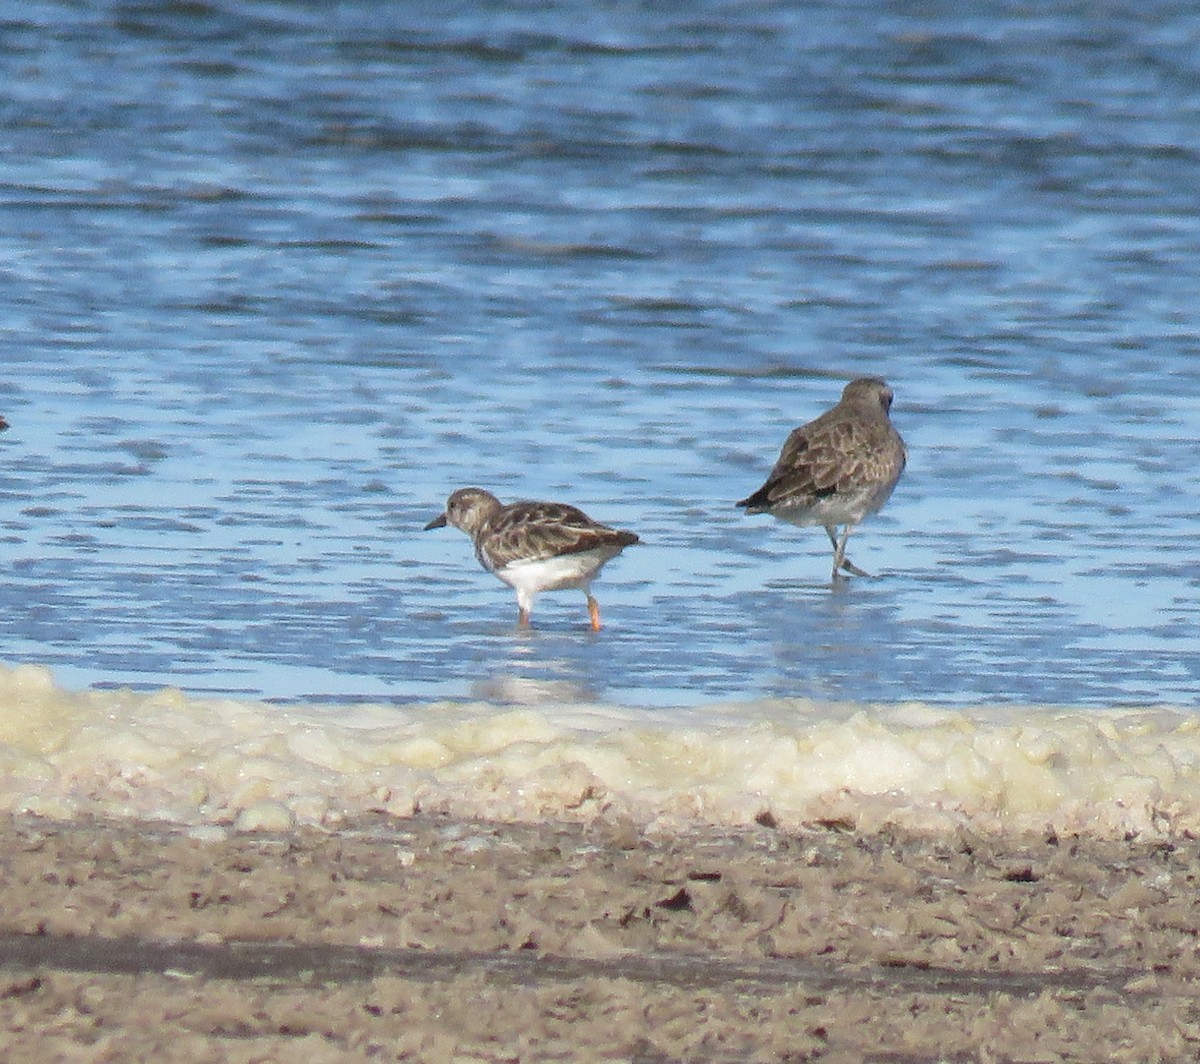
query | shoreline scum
(261,766)
(435,938)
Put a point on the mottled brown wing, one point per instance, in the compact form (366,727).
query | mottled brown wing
(535,530)
(816,462)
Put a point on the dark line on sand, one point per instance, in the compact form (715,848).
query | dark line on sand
(285,962)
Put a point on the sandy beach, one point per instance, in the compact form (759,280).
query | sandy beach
(439,939)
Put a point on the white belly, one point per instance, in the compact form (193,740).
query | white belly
(551,574)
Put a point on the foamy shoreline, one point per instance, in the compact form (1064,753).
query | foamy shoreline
(168,756)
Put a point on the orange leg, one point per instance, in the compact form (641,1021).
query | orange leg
(522,617)
(594,613)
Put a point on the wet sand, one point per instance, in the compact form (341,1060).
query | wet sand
(439,939)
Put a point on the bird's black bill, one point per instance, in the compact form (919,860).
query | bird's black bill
(437,522)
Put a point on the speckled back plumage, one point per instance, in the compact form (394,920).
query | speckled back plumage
(535,546)
(533,531)
(836,470)
(839,467)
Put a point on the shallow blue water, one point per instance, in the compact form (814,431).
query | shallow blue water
(277,278)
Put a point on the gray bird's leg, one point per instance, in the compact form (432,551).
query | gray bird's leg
(840,561)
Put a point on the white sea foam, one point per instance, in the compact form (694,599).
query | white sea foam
(258,765)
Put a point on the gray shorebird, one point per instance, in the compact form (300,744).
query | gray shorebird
(535,546)
(836,470)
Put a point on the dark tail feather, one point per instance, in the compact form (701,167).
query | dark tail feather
(757,502)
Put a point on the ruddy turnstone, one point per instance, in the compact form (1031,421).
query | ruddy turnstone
(837,469)
(535,546)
